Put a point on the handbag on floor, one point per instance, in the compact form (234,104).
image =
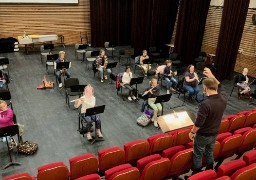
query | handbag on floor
(27,148)
(145,118)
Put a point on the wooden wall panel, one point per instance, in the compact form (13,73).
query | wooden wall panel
(68,20)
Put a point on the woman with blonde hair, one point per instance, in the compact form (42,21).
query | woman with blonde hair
(243,83)
(88,100)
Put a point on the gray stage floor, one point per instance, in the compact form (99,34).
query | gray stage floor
(50,123)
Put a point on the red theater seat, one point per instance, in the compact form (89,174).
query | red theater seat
(208,174)
(156,170)
(242,130)
(222,136)
(223,178)
(135,150)
(83,165)
(130,173)
(110,172)
(110,157)
(181,162)
(168,153)
(20,176)
(248,142)
(182,137)
(246,173)
(53,171)
(250,157)
(141,163)
(90,177)
(224,125)
(236,123)
(229,168)
(160,142)
(250,119)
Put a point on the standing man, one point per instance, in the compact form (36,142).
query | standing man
(206,126)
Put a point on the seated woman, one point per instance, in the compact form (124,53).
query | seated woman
(101,64)
(126,79)
(6,115)
(152,92)
(171,82)
(88,100)
(191,81)
(3,79)
(243,83)
(59,72)
(145,67)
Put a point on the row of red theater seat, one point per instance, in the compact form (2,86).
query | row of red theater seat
(240,169)
(140,148)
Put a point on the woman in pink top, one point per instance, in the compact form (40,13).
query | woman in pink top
(6,115)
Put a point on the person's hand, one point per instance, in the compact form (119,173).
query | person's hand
(208,73)
(191,136)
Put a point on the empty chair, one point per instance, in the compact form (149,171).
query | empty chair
(50,59)
(181,162)
(80,49)
(168,153)
(68,83)
(83,165)
(90,177)
(91,56)
(20,176)
(111,171)
(109,46)
(53,171)
(208,174)
(124,171)
(135,150)
(222,136)
(236,123)
(250,157)
(229,168)
(182,137)
(248,173)
(224,125)
(156,170)
(110,157)
(5,95)
(242,130)
(141,163)
(45,50)
(250,119)
(160,142)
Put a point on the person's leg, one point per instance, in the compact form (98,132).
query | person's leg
(174,82)
(100,69)
(96,119)
(168,84)
(127,86)
(58,75)
(196,90)
(209,152)
(159,107)
(87,122)
(145,68)
(67,74)
(189,89)
(199,148)
(151,103)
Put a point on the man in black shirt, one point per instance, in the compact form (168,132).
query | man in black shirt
(206,126)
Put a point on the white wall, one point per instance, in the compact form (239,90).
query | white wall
(221,2)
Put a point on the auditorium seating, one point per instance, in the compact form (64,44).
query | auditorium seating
(248,173)
(110,157)
(141,163)
(53,171)
(160,142)
(229,168)
(130,173)
(236,123)
(250,157)
(224,125)
(209,175)
(135,150)
(20,176)
(83,165)
(110,172)
(90,177)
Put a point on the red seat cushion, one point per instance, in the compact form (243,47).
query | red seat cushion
(52,171)
(208,174)
(229,168)
(90,177)
(244,112)
(250,157)
(168,153)
(223,178)
(20,176)
(131,173)
(113,170)
(229,116)
(141,163)
(222,136)
(242,130)
(248,172)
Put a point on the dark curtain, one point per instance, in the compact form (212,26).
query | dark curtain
(231,30)
(190,28)
(152,23)
(110,21)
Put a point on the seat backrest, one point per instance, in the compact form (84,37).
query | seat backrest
(248,173)
(130,173)
(20,176)
(83,165)
(48,46)
(141,163)
(250,157)
(135,150)
(229,168)
(236,123)
(53,171)
(248,141)
(160,142)
(156,170)
(90,177)
(88,54)
(111,171)
(208,174)
(110,157)
(181,162)
(224,125)
(168,153)
(182,137)
(216,150)
(250,119)
(9,130)
(71,82)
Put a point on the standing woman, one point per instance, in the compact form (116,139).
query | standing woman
(191,81)
(152,92)
(88,100)
(126,79)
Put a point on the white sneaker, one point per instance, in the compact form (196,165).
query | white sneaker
(99,133)
(101,80)
(89,137)
(156,124)
(60,85)
(134,98)
(168,91)
(129,98)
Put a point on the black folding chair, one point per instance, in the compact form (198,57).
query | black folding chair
(5,95)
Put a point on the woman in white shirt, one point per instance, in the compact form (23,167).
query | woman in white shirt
(88,100)
(126,79)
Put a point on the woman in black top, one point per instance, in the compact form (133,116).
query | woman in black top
(191,81)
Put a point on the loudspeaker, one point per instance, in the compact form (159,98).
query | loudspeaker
(254,19)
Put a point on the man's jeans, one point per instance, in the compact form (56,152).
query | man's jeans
(203,145)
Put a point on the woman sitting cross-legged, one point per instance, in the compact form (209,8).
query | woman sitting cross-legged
(88,100)
(126,79)
(152,92)
(171,82)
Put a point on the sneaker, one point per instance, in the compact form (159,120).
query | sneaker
(99,133)
(101,80)
(105,77)
(168,91)
(156,124)
(89,137)
(129,98)
(60,85)
(134,98)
